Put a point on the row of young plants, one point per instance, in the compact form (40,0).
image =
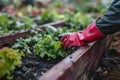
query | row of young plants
(58,6)
(57,10)
(45,44)
(12,20)
(9,23)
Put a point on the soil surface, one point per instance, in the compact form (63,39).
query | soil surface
(109,68)
(32,67)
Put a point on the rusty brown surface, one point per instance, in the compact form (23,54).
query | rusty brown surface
(81,64)
(9,39)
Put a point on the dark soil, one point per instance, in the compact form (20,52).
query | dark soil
(109,68)
(32,67)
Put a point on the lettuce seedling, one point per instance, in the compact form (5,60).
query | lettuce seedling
(9,59)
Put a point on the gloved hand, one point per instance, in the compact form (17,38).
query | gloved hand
(90,34)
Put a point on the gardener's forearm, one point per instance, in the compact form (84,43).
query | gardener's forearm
(110,22)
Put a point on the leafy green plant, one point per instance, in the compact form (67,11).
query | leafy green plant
(79,21)
(47,44)
(9,23)
(47,16)
(50,46)
(9,59)
(93,7)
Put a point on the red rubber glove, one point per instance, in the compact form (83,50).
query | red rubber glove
(90,34)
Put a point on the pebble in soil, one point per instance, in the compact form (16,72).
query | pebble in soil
(32,67)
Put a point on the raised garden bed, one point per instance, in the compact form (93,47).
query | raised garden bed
(80,65)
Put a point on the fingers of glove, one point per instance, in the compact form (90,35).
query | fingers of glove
(68,43)
(72,41)
(65,43)
(65,47)
(65,36)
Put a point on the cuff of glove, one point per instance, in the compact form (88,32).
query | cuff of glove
(91,33)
